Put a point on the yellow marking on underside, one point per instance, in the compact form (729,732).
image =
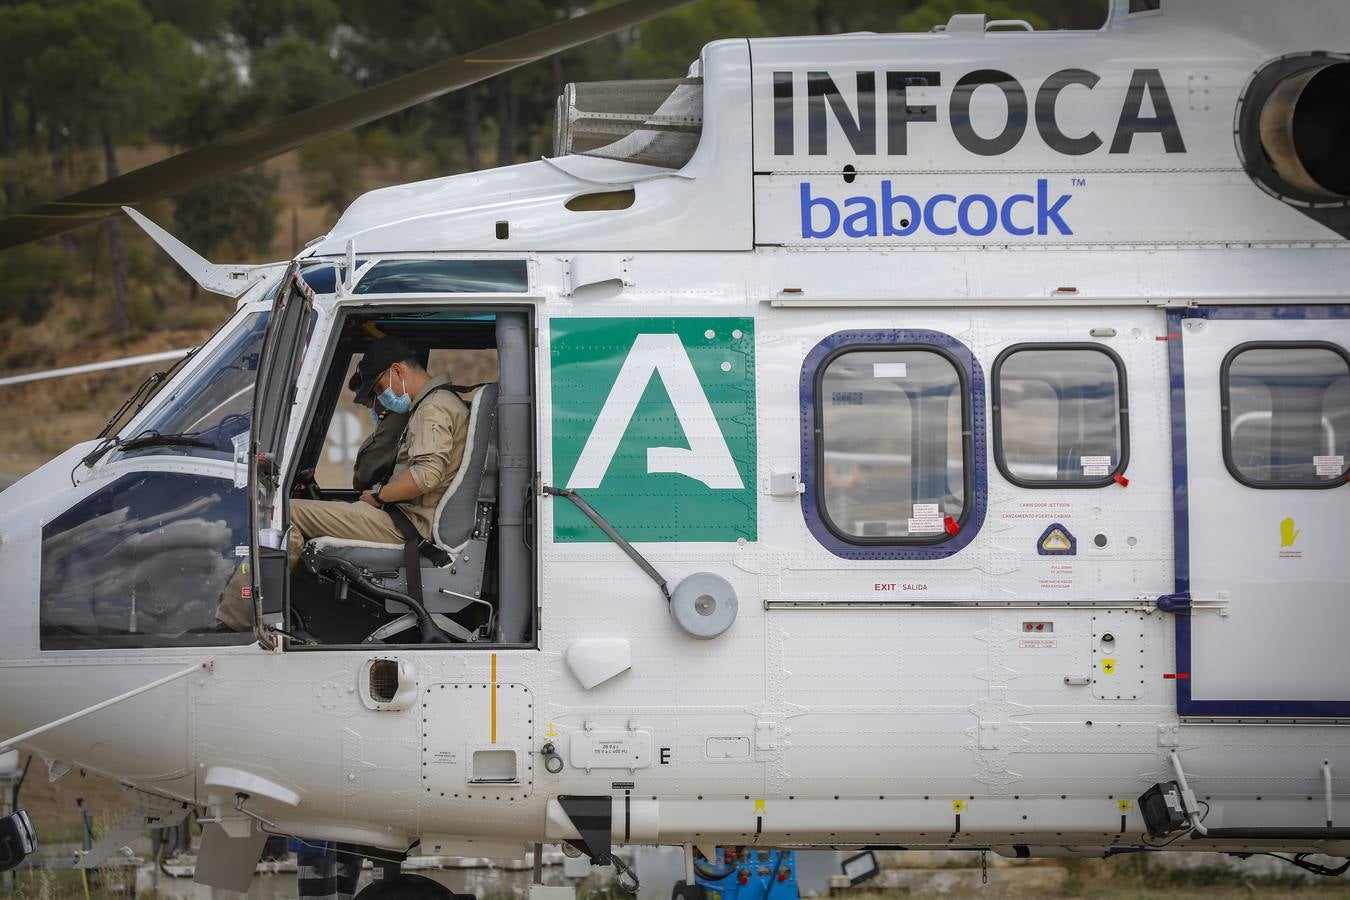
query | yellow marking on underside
(1124,805)
(958,806)
(494,698)
(759,808)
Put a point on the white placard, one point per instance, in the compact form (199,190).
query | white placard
(926,511)
(1098,471)
(1086,461)
(925,526)
(241,442)
(889,370)
(1329,465)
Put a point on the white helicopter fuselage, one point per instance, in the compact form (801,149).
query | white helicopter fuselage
(1006,653)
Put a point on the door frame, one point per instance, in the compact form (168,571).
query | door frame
(1179,602)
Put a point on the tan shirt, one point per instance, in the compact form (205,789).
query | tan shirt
(431,449)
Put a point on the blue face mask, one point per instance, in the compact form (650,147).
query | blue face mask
(374,414)
(396,403)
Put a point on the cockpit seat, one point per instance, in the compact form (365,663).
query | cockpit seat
(463,525)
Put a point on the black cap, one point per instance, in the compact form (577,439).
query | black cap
(378,357)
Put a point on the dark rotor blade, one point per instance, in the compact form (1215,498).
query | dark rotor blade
(233,154)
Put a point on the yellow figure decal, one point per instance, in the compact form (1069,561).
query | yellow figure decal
(552,732)
(1288,533)
(958,806)
(1108,666)
(1124,805)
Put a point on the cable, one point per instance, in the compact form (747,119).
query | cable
(1301,861)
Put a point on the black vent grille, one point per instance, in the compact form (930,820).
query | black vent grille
(383,680)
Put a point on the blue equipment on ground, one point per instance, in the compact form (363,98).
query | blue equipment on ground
(749,873)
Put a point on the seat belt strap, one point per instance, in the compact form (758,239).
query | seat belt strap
(412,540)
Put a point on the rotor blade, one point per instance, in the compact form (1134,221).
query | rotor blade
(233,154)
(96,367)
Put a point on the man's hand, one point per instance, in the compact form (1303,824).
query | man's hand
(368,497)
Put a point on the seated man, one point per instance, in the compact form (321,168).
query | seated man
(429,454)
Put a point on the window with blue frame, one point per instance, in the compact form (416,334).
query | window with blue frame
(1286,414)
(893,449)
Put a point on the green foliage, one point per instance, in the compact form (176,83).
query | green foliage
(295,74)
(236,216)
(332,171)
(32,275)
(666,46)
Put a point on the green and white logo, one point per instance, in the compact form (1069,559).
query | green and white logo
(654,423)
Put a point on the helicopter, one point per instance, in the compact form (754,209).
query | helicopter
(877,441)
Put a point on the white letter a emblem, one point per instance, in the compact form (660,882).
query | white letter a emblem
(708,458)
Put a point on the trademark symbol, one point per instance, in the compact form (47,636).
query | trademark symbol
(1078,182)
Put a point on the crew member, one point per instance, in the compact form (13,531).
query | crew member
(429,453)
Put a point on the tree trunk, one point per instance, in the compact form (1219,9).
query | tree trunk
(58,139)
(121,321)
(7,126)
(471,144)
(56,142)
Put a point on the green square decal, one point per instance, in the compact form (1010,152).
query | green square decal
(654,424)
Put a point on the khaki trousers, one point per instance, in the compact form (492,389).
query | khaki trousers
(333,518)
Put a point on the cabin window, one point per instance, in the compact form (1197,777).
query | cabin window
(893,454)
(1060,415)
(1286,414)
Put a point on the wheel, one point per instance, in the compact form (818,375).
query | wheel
(683,891)
(409,887)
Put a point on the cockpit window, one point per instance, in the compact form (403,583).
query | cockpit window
(445,276)
(152,560)
(205,413)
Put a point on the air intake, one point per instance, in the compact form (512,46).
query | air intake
(388,684)
(383,680)
(655,122)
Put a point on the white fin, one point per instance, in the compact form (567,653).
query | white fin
(230,280)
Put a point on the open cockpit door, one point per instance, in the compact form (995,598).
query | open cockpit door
(283,352)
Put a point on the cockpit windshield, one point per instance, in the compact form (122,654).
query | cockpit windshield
(204,414)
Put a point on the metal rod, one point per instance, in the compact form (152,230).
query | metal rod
(613,535)
(538,863)
(1326,782)
(689,876)
(104,704)
(1187,798)
(97,367)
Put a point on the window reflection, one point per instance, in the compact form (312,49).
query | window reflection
(1287,411)
(893,458)
(215,404)
(1059,416)
(445,276)
(145,562)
